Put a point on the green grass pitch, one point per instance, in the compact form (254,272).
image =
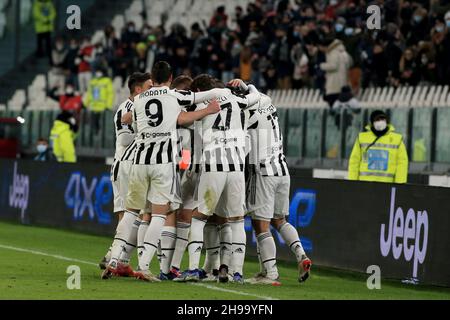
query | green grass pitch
(34,261)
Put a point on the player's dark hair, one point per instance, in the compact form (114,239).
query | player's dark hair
(203,82)
(161,72)
(182,82)
(137,79)
(219,83)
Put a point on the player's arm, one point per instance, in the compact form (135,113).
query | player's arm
(254,96)
(127,118)
(125,137)
(125,134)
(208,95)
(188,118)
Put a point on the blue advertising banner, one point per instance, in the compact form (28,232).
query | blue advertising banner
(402,229)
(57,195)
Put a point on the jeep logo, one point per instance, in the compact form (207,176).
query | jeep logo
(405,234)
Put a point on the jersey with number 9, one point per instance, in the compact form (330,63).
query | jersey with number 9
(156,114)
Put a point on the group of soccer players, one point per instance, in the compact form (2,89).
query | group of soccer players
(193,157)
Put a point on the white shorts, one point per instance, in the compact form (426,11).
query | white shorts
(222,193)
(119,180)
(270,197)
(189,184)
(157,183)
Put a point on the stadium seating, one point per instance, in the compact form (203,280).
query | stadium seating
(386,97)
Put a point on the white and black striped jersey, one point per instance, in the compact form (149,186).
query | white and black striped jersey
(191,139)
(122,129)
(223,135)
(266,140)
(156,114)
(129,152)
(125,135)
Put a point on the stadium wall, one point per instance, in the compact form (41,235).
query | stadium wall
(402,229)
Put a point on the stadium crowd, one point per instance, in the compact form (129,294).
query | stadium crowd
(275,44)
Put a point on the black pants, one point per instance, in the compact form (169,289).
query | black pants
(44,43)
(96,121)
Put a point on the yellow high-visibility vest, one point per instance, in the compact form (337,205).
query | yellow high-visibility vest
(100,95)
(62,142)
(386,160)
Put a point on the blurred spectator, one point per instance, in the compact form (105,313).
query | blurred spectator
(141,57)
(100,97)
(275,44)
(409,73)
(245,64)
(441,44)
(279,53)
(99,58)
(337,64)
(347,102)
(62,137)
(131,36)
(59,54)
(218,22)
(44,15)
(44,152)
(123,63)
(84,60)
(70,65)
(300,60)
(69,101)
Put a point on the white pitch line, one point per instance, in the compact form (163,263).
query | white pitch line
(56,256)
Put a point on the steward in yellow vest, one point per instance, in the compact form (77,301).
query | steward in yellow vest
(62,138)
(44,15)
(100,95)
(379,153)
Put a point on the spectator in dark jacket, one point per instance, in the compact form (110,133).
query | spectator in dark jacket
(408,68)
(280,56)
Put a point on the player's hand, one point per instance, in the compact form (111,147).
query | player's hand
(238,83)
(127,118)
(213,107)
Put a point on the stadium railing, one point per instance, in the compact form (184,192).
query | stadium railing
(314,135)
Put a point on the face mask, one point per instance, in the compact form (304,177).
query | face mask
(417,18)
(380,125)
(338,27)
(333,2)
(41,148)
(348,31)
(59,46)
(296,34)
(440,29)
(69,91)
(424,59)
(99,50)
(99,74)
(72,121)
(131,29)
(447,23)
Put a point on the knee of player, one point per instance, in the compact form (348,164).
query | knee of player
(277,223)
(261,226)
